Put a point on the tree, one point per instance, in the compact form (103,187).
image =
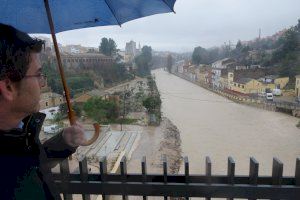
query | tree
(143,61)
(169,63)
(108,47)
(200,56)
(101,110)
(152,103)
(239,45)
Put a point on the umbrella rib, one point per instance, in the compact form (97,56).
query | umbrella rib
(112,12)
(169,6)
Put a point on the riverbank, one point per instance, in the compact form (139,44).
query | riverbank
(211,125)
(155,142)
(258,103)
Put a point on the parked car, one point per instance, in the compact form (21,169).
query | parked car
(277,92)
(269,97)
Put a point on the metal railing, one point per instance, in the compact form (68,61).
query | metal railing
(182,185)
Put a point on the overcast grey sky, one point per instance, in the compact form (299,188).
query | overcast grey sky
(203,23)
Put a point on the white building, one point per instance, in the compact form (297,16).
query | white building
(50,112)
(217,68)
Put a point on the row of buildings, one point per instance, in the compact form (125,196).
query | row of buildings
(227,74)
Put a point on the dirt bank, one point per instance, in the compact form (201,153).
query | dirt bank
(154,143)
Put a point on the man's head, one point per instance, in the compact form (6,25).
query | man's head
(20,71)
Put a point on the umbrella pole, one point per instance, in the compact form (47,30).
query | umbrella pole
(71,113)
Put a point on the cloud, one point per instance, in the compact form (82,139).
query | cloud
(196,23)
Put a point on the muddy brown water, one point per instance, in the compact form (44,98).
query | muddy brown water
(211,125)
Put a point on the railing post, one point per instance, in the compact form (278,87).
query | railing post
(253,172)
(297,172)
(230,172)
(186,172)
(208,172)
(165,171)
(83,168)
(144,173)
(123,169)
(277,171)
(65,172)
(103,173)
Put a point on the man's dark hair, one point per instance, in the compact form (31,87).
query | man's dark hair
(15,49)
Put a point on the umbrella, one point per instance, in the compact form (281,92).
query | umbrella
(53,16)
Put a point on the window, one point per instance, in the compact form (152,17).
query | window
(46,103)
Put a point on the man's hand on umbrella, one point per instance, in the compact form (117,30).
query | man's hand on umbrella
(74,135)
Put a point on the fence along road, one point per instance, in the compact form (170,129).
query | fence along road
(211,125)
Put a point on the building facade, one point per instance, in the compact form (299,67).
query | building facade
(50,99)
(84,60)
(218,68)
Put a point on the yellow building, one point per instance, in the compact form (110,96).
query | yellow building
(246,86)
(250,86)
(297,86)
(281,82)
(50,99)
(201,73)
(253,86)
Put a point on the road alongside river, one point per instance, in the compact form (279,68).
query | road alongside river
(211,125)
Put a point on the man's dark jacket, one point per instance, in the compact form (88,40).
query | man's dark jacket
(26,163)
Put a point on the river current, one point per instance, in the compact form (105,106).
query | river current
(211,125)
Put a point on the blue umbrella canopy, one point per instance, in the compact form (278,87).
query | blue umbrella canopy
(30,15)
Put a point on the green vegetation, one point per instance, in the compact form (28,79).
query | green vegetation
(105,112)
(79,83)
(108,47)
(102,111)
(82,78)
(76,83)
(169,63)
(143,61)
(113,74)
(200,56)
(280,53)
(53,77)
(152,102)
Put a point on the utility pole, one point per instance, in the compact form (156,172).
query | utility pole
(124,99)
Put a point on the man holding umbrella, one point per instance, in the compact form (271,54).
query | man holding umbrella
(25,162)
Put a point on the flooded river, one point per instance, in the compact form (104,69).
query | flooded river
(211,125)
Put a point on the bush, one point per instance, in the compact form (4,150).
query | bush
(101,110)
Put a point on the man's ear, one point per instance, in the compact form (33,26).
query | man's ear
(7,89)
